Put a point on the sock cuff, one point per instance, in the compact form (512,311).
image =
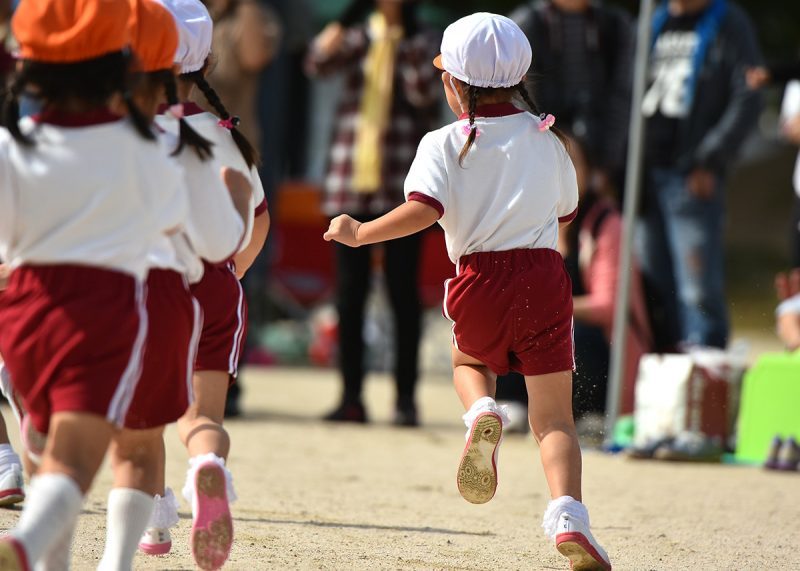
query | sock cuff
(485,404)
(194,463)
(129,495)
(563,505)
(165,511)
(68,487)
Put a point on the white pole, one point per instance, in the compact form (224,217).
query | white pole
(633,185)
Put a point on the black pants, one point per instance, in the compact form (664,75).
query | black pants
(353,266)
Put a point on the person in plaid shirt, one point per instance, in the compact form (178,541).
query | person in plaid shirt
(389,99)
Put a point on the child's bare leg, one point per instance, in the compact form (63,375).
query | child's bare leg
(472,379)
(76,445)
(550,413)
(200,428)
(137,458)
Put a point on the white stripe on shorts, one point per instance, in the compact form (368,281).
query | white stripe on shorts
(197,330)
(123,395)
(233,360)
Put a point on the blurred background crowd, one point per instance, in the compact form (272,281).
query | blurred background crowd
(330,88)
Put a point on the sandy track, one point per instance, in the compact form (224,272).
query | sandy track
(319,496)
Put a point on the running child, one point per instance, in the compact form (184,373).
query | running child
(499,181)
(221,298)
(78,215)
(215,229)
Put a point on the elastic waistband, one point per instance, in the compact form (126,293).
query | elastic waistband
(62,275)
(511,260)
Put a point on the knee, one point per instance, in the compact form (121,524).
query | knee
(542,428)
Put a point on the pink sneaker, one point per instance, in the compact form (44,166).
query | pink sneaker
(155,541)
(575,542)
(477,471)
(212,526)
(12,555)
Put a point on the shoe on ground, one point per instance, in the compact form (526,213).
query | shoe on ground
(12,486)
(775,446)
(477,471)
(575,542)
(12,555)
(517,417)
(155,541)
(690,447)
(788,455)
(212,525)
(405,414)
(347,412)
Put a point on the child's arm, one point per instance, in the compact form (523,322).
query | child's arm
(408,218)
(244,259)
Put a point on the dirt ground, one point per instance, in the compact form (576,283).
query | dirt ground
(320,496)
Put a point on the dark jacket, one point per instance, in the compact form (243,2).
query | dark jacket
(724,109)
(601,114)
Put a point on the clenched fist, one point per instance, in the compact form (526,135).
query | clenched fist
(343,229)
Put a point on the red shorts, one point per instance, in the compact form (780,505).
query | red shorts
(174,322)
(512,311)
(224,319)
(73,338)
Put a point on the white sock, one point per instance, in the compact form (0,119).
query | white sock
(165,511)
(484,404)
(8,457)
(57,557)
(52,506)
(563,505)
(128,513)
(194,463)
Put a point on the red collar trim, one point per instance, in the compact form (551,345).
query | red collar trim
(62,118)
(189,108)
(494,110)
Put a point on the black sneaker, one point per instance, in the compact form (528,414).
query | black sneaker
(347,412)
(406,415)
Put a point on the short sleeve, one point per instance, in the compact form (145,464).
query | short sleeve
(8,202)
(426,181)
(568,196)
(259,198)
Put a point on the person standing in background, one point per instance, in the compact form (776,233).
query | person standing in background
(582,75)
(698,110)
(389,98)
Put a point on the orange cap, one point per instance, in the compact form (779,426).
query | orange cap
(70,31)
(154,35)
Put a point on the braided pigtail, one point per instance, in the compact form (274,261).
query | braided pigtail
(523,92)
(138,119)
(472,95)
(187,135)
(249,154)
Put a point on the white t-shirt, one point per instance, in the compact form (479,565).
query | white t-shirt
(213,230)
(516,184)
(226,153)
(97,195)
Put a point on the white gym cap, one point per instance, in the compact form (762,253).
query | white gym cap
(195,29)
(485,50)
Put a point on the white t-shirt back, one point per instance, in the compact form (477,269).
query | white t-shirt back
(97,195)
(515,185)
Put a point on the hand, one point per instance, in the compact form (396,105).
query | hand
(757,77)
(787,285)
(343,229)
(701,183)
(791,130)
(329,40)
(5,272)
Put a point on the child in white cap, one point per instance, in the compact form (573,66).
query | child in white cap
(500,182)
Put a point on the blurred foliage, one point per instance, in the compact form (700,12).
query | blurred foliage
(777,21)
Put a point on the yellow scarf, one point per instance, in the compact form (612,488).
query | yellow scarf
(376,103)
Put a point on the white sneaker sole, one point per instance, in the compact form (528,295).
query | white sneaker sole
(477,472)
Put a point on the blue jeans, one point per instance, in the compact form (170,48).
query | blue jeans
(679,242)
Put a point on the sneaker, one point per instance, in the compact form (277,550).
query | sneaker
(347,412)
(517,417)
(690,447)
(405,414)
(12,486)
(155,541)
(212,526)
(12,555)
(788,455)
(775,446)
(477,471)
(575,542)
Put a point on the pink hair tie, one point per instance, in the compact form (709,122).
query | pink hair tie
(467,129)
(176,111)
(230,123)
(546,121)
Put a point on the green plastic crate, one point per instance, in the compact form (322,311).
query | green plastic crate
(770,405)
